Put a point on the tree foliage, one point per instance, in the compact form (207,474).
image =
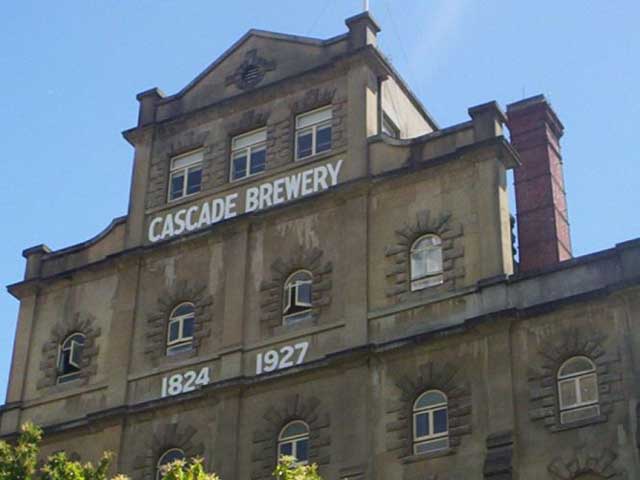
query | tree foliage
(182,470)
(60,467)
(288,469)
(20,462)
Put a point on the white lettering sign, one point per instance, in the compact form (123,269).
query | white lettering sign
(286,357)
(184,382)
(268,194)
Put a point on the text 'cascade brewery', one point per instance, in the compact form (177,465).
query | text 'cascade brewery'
(265,195)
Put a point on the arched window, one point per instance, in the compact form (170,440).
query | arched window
(578,390)
(180,329)
(426,262)
(296,298)
(294,441)
(70,357)
(166,458)
(430,422)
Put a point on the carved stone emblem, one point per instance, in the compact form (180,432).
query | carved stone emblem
(251,72)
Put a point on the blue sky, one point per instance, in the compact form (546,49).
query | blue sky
(71,70)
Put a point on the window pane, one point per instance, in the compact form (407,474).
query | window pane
(432,445)
(187,160)
(418,264)
(243,141)
(184,309)
(76,338)
(304,295)
(76,354)
(304,145)
(434,260)
(323,140)
(576,365)
(177,182)
(174,331)
(194,181)
(440,421)
(297,318)
(179,348)
(171,457)
(65,366)
(580,414)
(422,425)
(286,301)
(426,242)
(589,388)
(240,166)
(300,276)
(187,327)
(302,450)
(313,118)
(429,399)
(568,393)
(286,448)
(295,429)
(258,158)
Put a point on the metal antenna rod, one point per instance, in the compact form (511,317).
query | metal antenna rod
(366,5)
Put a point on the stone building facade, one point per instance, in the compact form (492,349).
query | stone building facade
(310,264)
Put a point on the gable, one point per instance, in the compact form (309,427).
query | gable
(256,60)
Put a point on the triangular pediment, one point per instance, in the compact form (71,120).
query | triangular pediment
(257,59)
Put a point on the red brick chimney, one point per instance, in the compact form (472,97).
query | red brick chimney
(543,223)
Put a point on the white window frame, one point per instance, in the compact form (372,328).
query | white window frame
(70,345)
(429,411)
(289,284)
(159,463)
(313,127)
(258,145)
(423,282)
(194,164)
(294,440)
(575,379)
(181,340)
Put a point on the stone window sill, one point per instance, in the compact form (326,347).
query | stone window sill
(428,456)
(582,423)
(301,325)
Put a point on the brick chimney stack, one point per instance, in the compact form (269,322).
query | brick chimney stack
(543,223)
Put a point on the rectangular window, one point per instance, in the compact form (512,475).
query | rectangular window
(313,133)
(185,177)
(248,154)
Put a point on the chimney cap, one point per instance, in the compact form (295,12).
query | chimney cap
(528,106)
